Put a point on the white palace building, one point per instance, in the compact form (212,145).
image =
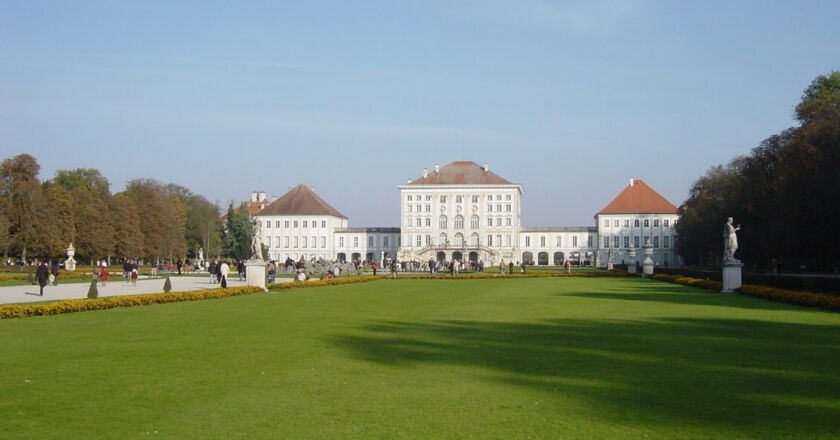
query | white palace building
(465,212)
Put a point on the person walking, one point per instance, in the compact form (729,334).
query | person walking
(179,264)
(54,270)
(224,270)
(42,274)
(103,273)
(212,270)
(133,276)
(502,268)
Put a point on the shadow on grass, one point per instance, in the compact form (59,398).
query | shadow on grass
(752,376)
(676,294)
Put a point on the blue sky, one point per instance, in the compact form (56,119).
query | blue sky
(568,98)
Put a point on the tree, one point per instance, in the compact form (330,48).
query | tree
(238,232)
(23,204)
(128,236)
(162,219)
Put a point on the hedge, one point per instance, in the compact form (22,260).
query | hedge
(495,276)
(827,285)
(321,283)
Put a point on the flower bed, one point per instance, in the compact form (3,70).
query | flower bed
(515,276)
(81,305)
(689,281)
(810,299)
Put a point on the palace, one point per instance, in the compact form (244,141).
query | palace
(464,211)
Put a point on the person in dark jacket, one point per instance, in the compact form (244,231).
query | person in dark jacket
(42,274)
(54,271)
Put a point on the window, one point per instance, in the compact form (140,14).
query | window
(489,222)
(527,241)
(665,241)
(419,221)
(419,240)
(459,222)
(498,239)
(606,223)
(428,240)
(574,240)
(459,199)
(474,222)
(297,242)
(626,223)
(355,241)
(636,241)
(268,241)
(656,223)
(636,223)
(268,224)
(305,224)
(428,208)
(615,241)
(370,241)
(507,197)
(646,240)
(508,222)
(285,242)
(442,222)
(498,197)
(489,207)
(409,208)
(507,207)
(459,239)
(305,241)
(296,223)
(647,223)
(323,242)
(418,208)
(489,197)
(499,221)
(489,240)
(665,223)
(498,208)
(276,241)
(626,242)
(542,241)
(428,198)
(429,222)
(615,223)
(606,242)
(285,223)
(656,242)
(340,241)
(475,199)
(409,198)
(559,240)
(474,239)
(442,199)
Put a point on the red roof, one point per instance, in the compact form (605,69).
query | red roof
(638,198)
(461,173)
(300,200)
(255,207)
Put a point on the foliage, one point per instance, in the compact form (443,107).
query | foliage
(784,193)
(239,228)
(23,206)
(810,299)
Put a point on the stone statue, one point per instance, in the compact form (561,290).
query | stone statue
(256,249)
(730,240)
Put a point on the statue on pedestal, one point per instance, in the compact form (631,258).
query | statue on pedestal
(256,248)
(730,240)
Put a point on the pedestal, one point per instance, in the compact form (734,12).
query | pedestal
(255,273)
(610,265)
(731,275)
(631,266)
(647,267)
(70,264)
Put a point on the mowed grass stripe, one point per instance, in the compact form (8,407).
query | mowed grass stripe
(539,358)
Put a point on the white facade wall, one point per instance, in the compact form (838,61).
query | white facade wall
(299,236)
(367,244)
(460,218)
(555,245)
(620,232)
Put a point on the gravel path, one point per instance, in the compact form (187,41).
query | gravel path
(29,293)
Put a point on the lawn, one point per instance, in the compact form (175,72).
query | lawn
(485,359)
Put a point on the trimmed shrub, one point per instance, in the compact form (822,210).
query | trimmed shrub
(810,299)
(167,285)
(93,291)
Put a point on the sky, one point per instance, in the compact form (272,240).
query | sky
(570,99)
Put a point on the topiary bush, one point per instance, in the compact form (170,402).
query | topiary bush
(167,285)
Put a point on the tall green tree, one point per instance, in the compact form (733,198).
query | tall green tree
(128,235)
(238,231)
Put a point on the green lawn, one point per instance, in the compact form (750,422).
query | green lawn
(412,359)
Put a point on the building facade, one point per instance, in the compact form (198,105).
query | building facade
(465,212)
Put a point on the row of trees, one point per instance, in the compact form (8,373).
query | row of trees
(786,193)
(148,220)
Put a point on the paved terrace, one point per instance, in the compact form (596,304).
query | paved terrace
(29,293)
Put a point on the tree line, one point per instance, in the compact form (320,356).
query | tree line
(147,221)
(785,193)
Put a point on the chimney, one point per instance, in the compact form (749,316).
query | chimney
(274,198)
(631,181)
(437,168)
(408,180)
(254,196)
(425,173)
(486,166)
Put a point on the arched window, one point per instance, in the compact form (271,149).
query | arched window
(459,239)
(474,222)
(442,222)
(459,222)
(442,240)
(474,239)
